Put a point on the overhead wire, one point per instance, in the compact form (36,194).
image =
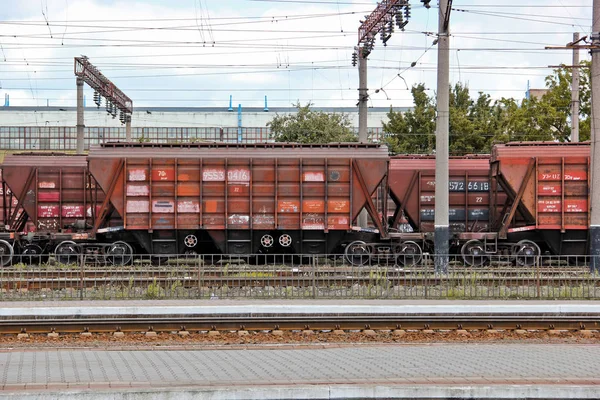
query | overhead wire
(75,42)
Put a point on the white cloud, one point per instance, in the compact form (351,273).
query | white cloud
(277,55)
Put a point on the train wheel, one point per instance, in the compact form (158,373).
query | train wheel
(473,253)
(32,254)
(357,253)
(119,253)
(267,241)
(408,253)
(67,252)
(6,252)
(285,240)
(526,253)
(190,241)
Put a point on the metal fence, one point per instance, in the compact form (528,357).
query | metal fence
(299,277)
(64,138)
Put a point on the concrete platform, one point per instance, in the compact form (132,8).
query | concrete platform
(480,371)
(250,307)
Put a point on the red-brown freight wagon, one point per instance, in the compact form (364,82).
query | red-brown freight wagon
(411,181)
(240,199)
(412,188)
(8,208)
(59,201)
(548,194)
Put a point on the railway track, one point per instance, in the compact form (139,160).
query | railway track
(258,322)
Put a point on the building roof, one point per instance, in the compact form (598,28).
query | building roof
(208,109)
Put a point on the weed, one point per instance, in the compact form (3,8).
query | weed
(154,291)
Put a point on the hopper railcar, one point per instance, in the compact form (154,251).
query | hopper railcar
(240,199)
(55,202)
(126,198)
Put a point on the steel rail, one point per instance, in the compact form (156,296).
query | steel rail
(140,323)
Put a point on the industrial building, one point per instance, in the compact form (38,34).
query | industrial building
(54,128)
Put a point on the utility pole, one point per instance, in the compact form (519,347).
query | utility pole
(575,92)
(441,222)
(80,122)
(116,100)
(595,150)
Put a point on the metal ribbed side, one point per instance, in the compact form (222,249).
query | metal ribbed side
(428,163)
(44,160)
(222,150)
(540,149)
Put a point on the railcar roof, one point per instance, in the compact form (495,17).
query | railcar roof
(243,150)
(44,159)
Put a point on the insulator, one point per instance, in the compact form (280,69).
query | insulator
(108,106)
(354,59)
(399,19)
(122,116)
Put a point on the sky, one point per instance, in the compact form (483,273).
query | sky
(198,53)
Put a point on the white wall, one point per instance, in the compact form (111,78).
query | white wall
(165,117)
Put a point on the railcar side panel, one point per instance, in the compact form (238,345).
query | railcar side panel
(55,191)
(412,187)
(241,195)
(548,185)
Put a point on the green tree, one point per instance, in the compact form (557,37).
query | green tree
(548,118)
(489,119)
(558,101)
(473,123)
(412,131)
(477,124)
(532,120)
(309,126)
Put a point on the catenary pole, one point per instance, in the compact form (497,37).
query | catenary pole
(595,134)
(575,92)
(362,117)
(80,122)
(387,14)
(442,226)
(128,128)
(116,100)
(362,98)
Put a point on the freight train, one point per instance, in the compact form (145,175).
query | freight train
(124,199)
